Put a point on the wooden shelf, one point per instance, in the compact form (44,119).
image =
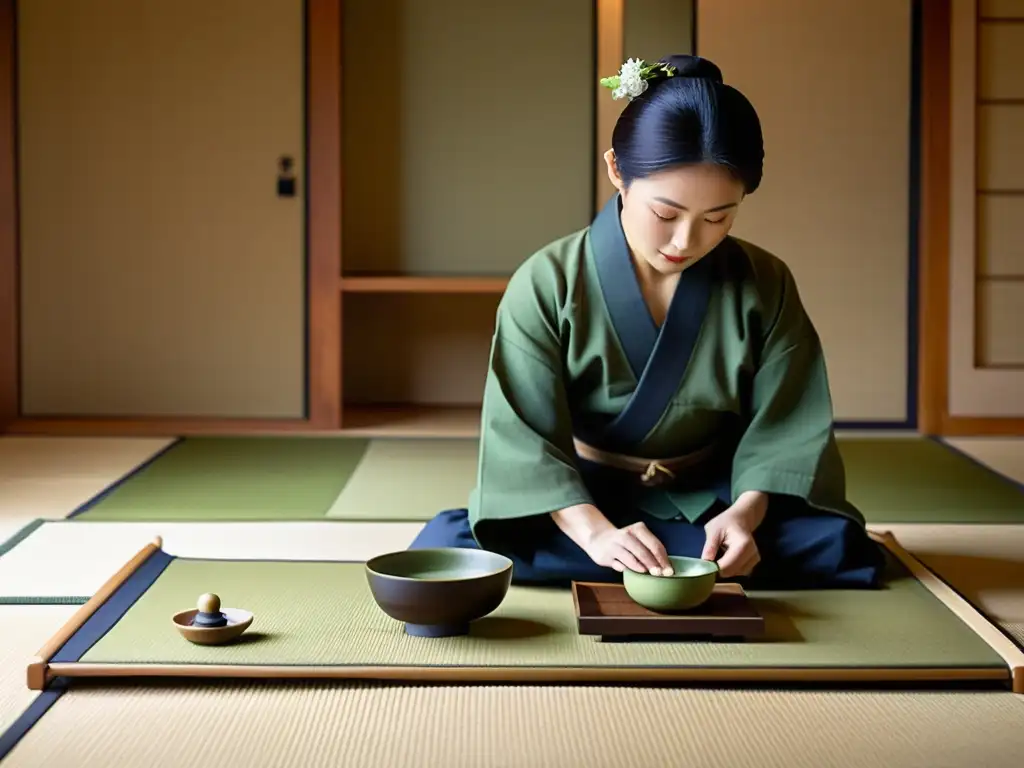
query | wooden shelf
(410,284)
(408,420)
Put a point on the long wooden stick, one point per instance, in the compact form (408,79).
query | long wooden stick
(965,611)
(38,667)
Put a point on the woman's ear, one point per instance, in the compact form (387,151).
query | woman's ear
(613,170)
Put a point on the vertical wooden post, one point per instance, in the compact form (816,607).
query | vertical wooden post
(323,23)
(933,222)
(610,14)
(9,373)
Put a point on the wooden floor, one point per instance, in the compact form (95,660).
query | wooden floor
(50,477)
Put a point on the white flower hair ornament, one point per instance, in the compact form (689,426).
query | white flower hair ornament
(633,76)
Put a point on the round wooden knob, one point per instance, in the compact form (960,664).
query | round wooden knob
(209,603)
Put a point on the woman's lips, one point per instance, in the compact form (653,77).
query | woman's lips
(673,259)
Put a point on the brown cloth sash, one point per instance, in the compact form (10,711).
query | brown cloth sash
(652,472)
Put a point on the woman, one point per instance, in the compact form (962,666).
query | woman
(655,386)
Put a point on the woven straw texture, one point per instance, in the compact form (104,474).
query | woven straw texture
(23,631)
(312,725)
(323,614)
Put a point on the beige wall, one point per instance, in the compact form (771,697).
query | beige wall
(160,273)
(467,132)
(986,372)
(834,200)
(652,29)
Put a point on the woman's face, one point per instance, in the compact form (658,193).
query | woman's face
(674,218)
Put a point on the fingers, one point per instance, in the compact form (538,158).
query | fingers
(712,542)
(654,547)
(739,559)
(628,559)
(745,566)
(646,562)
(639,550)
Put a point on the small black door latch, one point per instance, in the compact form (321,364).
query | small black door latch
(285,177)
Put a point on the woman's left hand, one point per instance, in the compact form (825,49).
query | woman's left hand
(733,531)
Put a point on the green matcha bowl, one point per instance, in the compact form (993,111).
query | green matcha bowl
(689,586)
(438,592)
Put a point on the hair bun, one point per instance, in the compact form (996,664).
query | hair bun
(693,66)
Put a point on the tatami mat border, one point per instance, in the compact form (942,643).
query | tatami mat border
(33,714)
(21,534)
(44,600)
(87,505)
(1019,485)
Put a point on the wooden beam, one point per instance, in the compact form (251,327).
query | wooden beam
(933,222)
(9,355)
(610,25)
(323,23)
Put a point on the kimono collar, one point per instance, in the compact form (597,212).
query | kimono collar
(658,357)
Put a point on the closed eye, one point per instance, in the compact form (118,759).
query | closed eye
(672,218)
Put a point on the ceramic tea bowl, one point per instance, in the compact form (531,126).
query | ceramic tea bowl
(689,586)
(439,592)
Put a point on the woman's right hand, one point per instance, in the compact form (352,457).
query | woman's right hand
(633,547)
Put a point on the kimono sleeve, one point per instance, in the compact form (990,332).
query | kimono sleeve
(788,446)
(527,460)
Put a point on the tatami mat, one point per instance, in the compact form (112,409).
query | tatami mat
(236,478)
(1003,454)
(409,480)
(985,563)
(322,724)
(299,622)
(280,478)
(50,477)
(924,481)
(11,527)
(50,458)
(28,498)
(23,631)
(63,559)
(312,725)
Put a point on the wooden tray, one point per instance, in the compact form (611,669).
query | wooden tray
(608,611)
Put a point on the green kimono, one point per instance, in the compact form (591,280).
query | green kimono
(576,353)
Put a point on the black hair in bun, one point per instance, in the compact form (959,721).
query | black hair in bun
(687,115)
(693,66)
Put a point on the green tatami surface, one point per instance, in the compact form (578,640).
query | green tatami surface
(236,478)
(902,625)
(922,481)
(895,480)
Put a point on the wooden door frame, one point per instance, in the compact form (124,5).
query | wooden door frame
(934,236)
(323,20)
(9,311)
